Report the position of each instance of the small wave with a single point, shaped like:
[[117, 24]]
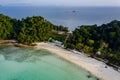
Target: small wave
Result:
[[2, 58]]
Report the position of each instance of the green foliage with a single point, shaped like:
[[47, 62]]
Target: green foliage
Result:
[[79, 46], [93, 38], [71, 46], [90, 42], [59, 37], [29, 29], [6, 27], [34, 29], [89, 38], [61, 28]]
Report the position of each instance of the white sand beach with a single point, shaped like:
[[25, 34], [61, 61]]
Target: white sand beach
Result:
[[92, 65]]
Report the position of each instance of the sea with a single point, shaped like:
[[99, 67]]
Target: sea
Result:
[[71, 17], [18, 63]]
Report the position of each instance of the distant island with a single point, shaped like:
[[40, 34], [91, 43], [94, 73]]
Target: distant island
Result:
[[74, 11], [100, 42]]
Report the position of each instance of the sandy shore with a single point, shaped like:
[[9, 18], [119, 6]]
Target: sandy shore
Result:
[[15, 43], [95, 67]]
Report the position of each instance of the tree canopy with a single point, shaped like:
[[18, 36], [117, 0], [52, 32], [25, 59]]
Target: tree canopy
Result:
[[93, 38], [89, 38], [29, 29]]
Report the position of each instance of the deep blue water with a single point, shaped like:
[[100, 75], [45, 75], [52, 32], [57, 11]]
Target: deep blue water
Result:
[[65, 15]]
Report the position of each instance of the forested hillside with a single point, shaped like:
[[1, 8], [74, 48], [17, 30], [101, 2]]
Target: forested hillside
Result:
[[29, 30], [88, 38], [93, 38], [6, 27]]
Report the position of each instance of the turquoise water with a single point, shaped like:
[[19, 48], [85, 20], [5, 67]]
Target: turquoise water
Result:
[[29, 64]]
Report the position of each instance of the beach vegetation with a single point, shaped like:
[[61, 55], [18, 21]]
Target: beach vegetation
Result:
[[104, 38], [88, 38], [29, 29]]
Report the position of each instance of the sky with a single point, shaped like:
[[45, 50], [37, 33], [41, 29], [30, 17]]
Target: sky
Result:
[[62, 2]]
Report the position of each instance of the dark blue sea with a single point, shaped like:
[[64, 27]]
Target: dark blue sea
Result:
[[71, 17]]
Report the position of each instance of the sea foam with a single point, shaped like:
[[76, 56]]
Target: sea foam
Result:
[[2, 58]]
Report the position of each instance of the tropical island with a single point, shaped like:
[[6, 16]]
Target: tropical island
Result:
[[100, 42]]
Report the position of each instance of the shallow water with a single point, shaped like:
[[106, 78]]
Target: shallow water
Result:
[[29, 64]]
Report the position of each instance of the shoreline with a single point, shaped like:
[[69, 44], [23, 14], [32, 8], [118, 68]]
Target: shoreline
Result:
[[15, 43], [92, 65]]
